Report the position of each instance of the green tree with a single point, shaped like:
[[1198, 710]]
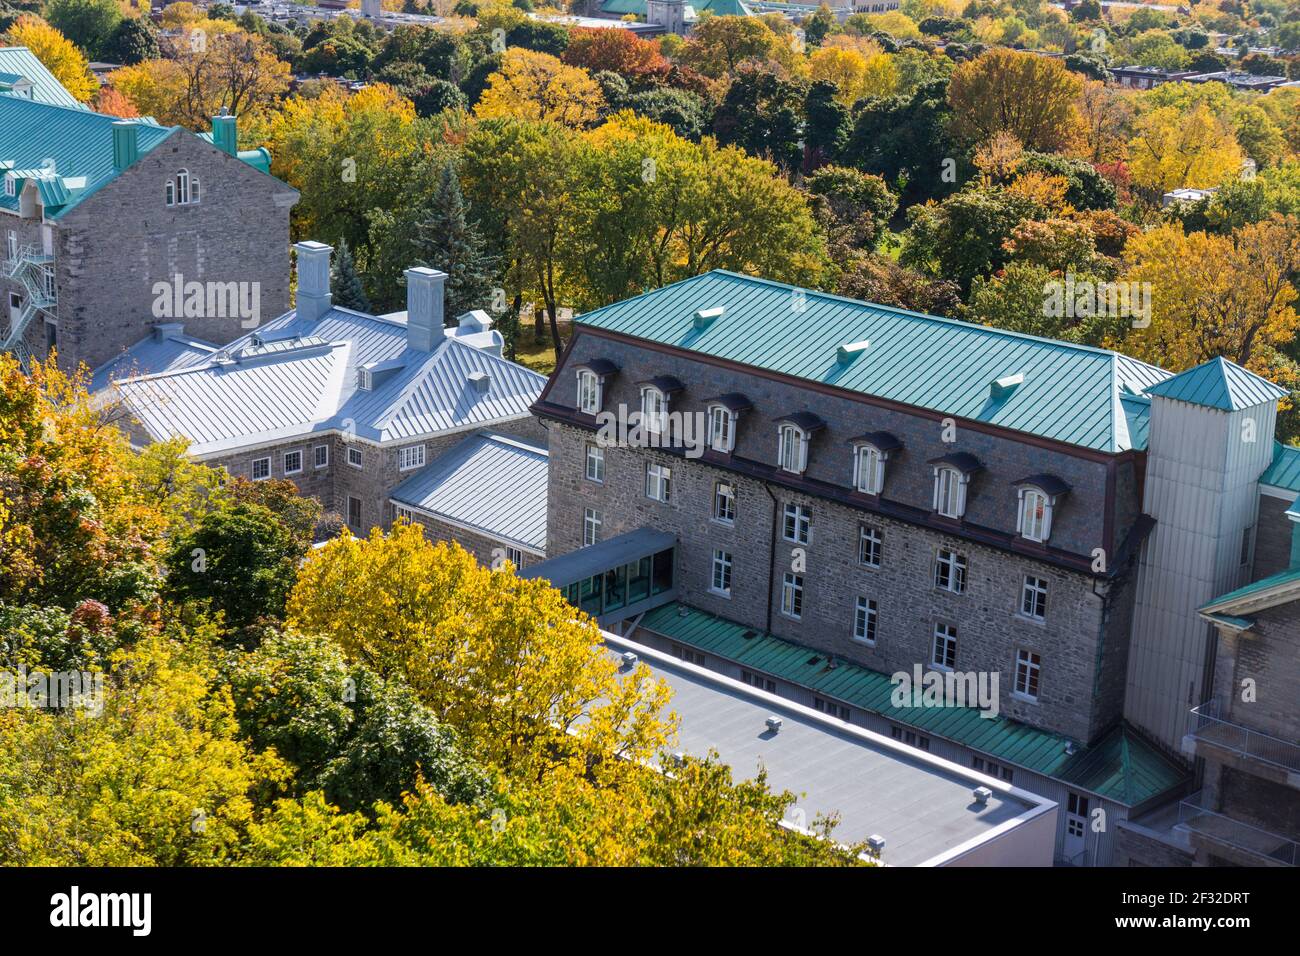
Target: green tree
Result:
[[447, 240], [132, 41], [87, 23], [344, 281]]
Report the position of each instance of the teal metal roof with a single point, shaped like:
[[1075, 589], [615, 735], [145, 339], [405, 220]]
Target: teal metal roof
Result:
[[1284, 472], [1220, 384], [1070, 393], [1255, 587], [18, 62], [720, 8], [1120, 766]]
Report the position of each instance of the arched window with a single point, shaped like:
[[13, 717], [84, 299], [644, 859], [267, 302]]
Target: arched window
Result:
[[182, 187], [654, 409], [792, 453], [722, 428], [868, 469], [1034, 520], [588, 391], [194, 190], [949, 492], [170, 192]]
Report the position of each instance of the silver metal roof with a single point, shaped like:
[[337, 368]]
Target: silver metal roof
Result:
[[295, 377], [491, 483], [166, 351], [600, 557], [921, 804]]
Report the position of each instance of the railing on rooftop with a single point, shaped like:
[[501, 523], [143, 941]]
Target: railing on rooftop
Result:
[[1207, 725], [1224, 829]]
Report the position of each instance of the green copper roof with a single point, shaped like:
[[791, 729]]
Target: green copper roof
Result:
[[18, 62], [1119, 767], [720, 8], [1219, 384], [1255, 587], [1070, 393], [1284, 472]]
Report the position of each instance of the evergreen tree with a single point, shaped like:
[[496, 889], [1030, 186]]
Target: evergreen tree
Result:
[[445, 240], [345, 283]]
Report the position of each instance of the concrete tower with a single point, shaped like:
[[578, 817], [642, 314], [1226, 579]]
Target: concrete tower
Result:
[[1211, 437], [669, 14]]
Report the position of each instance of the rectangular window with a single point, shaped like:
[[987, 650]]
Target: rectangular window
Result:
[[1028, 666], [832, 708], [595, 463], [653, 410], [864, 621], [261, 469], [658, 482], [949, 492], [724, 502], [356, 458], [588, 392], [869, 546], [867, 465], [354, 512], [591, 522], [1033, 599], [412, 456], [515, 557], [945, 646], [759, 681], [405, 514], [721, 429], [798, 524], [720, 582], [321, 455], [292, 462], [1035, 515], [792, 451], [950, 571], [792, 595], [910, 737]]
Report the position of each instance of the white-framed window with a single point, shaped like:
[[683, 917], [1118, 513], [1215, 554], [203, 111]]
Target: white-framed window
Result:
[[354, 512], [864, 621], [720, 578], [1033, 597], [321, 456], [869, 546], [11, 187], [293, 462], [595, 462], [949, 492], [722, 429], [1034, 518], [944, 652], [588, 391], [365, 381], [792, 595], [261, 469], [404, 514], [11, 243], [832, 708], [1028, 668], [356, 457], [724, 502], [194, 190], [792, 448], [515, 556], [658, 482], [410, 456], [868, 469], [950, 571], [797, 525], [591, 522], [654, 410], [182, 189]]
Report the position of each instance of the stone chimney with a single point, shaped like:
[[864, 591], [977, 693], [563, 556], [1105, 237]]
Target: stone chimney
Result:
[[424, 292], [314, 297], [126, 144]]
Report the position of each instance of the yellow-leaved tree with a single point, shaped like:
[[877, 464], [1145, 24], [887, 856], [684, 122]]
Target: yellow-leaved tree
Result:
[[1173, 148], [539, 87], [56, 52]]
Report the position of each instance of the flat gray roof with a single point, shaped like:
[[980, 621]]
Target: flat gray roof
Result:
[[921, 804], [600, 557]]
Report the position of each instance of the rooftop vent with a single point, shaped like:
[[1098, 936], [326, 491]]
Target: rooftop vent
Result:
[[1069, 748], [982, 795], [773, 723], [705, 317], [877, 843], [814, 660], [847, 353], [1003, 387], [749, 635], [481, 381], [629, 659], [679, 757]]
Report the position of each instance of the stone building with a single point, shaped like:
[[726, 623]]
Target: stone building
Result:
[[840, 492], [111, 225], [349, 406]]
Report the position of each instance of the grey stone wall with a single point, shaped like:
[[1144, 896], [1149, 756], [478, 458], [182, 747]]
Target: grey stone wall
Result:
[[112, 248], [1269, 655], [990, 628], [1272, 538]]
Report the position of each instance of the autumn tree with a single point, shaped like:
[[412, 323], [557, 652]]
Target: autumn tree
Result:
[[1172, 148], [1031, 96], [619, 51], [719, 45], [539, 87]]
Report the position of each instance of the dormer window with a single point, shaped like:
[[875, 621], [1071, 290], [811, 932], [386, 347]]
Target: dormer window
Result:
[[11, 188], [654, 409], [588, 391], [722, 429], [182, 189], [949, 492], [792, 453], [868, 469], [364, 380], [1037, 499]]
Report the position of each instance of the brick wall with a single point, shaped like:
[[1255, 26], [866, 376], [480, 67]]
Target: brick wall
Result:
[[1269, 655], [1272, 538]]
